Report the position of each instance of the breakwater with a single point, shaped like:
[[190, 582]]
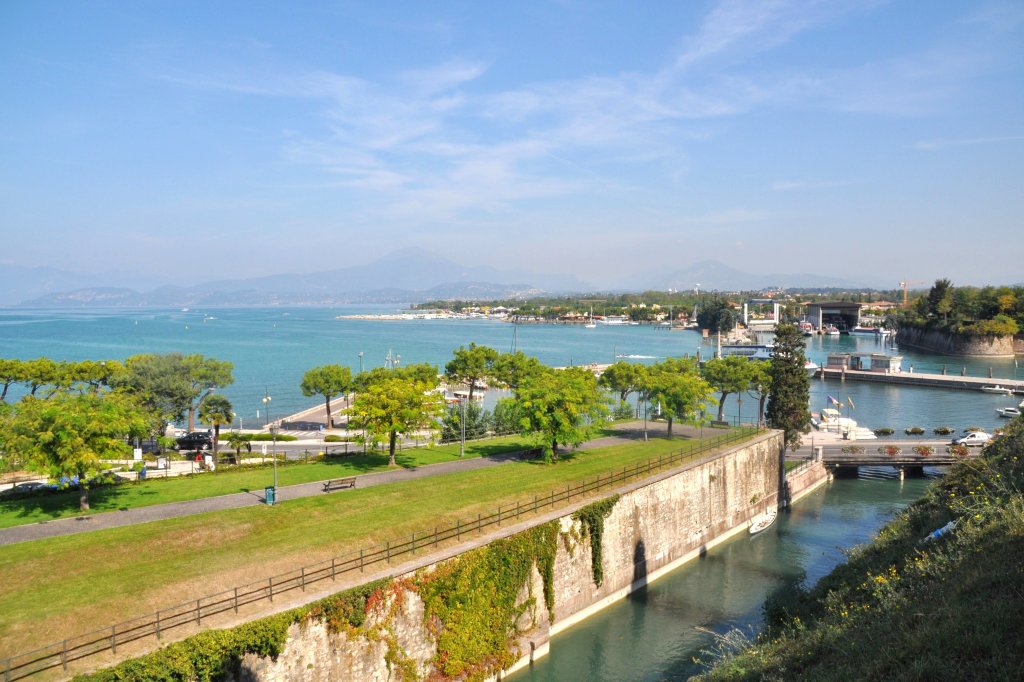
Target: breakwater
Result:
[[945, 343]]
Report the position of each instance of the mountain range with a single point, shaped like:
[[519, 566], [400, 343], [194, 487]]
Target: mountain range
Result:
[[404, 276]]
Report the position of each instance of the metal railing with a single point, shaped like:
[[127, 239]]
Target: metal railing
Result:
[[192, 612]]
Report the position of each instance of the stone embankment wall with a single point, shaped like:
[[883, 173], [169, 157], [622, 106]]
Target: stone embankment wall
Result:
[[654, 526], [952, 344]]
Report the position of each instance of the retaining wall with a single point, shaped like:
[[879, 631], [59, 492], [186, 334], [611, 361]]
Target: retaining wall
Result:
[[655, 526], [954, 344]]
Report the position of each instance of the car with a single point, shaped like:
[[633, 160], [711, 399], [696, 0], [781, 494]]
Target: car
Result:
[[972, 438], [27, 489], [197, 440]]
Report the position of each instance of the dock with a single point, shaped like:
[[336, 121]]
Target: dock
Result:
[[963, 383]]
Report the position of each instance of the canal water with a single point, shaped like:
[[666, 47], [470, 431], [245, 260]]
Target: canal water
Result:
[[656, 633]]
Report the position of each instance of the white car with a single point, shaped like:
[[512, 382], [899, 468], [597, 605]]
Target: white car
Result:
[[973, 438]]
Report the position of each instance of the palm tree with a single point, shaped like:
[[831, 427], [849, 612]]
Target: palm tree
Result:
[[238, 440], [216, 410]]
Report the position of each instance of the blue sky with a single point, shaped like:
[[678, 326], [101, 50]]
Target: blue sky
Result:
[[610, 140]]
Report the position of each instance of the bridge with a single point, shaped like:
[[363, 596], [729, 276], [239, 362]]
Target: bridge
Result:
[[904, 455]]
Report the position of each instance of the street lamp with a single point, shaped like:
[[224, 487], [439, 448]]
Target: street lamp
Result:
[[360, 354], [266, 407], [273, 437], [462, 422]]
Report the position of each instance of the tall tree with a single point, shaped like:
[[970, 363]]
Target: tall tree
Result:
[[677, 386], [623, 378], [11, 372], [173, 385], [760, 386], [790, 391], [512, 369], [204, 376], [728, 375], [560, 407], [328, 381], [423, 373], [471, 365], [716, 315], [216, 410], [70, 435], [395, 407]]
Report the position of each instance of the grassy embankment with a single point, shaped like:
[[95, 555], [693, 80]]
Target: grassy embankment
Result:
[[125, 572], [228, 481], [906, 608]]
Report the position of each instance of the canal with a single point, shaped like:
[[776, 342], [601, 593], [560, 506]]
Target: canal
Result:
[[656, 633]]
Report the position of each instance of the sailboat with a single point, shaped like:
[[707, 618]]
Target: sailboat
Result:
[[590, 321]]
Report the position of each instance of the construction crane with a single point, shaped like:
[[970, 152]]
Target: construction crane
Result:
[[908, 283]]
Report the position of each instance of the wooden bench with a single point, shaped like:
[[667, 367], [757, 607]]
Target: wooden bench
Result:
[[339, 483]]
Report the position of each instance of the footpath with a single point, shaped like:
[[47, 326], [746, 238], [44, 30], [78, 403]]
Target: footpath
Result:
[[161, 512]]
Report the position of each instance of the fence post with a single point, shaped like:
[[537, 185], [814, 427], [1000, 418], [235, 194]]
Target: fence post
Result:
[[479, 524], [517, 509], [270, 587], [414, 544], [302, 578], [64, 655], [360, 560], [236, 600], [113, 639], [198, 613], [7, 671], [458, 529], [333, 570], [387, 549], [535, 503], [435, 537], [158, 625]]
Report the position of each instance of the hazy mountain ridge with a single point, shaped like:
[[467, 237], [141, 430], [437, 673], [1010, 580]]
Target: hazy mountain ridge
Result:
[[407, 276]]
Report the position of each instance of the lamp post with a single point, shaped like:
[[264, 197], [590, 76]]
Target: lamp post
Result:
[[645, 417], [273, 437], [266, 407], [739, 409], [462, 422], [360, 354]]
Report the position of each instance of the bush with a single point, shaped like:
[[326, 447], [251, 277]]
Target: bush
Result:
[[944, 430], [924, 450], [281, 437], [885, 431], [913, 431], [335, 438]]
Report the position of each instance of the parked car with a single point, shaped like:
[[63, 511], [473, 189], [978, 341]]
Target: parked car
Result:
[[973, 438], [197, 440], [28, 489]]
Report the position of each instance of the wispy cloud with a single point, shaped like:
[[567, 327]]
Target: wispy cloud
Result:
[[935, 145]]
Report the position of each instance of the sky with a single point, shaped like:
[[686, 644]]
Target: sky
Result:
[[184, 141]]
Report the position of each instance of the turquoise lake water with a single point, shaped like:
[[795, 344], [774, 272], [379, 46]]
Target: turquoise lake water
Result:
[[271, 348]]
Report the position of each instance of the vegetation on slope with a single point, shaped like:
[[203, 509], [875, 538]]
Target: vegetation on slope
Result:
[[912, 605]]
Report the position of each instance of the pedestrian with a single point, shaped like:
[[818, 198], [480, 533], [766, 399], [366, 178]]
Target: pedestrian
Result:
[[911, 369]]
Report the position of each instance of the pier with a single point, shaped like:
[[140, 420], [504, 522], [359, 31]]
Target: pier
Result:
[[964, 383]]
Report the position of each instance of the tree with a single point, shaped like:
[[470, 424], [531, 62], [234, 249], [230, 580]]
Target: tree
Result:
[[760, 386], [471, 365], [478, 421], [790, 391], [11, 372], [215, 411], [560, 407], [173, 385], [395, 407], [716, 315], [676, 384], [728, 375], [328, 381], [70, 435], [238, 440], [506, 417], [40, 372], [512, 369], [623, 378], [423, 373]]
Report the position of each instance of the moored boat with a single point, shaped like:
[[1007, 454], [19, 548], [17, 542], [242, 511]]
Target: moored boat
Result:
[[869, 331], [1008, 412], [763, 521], [1000, 390]]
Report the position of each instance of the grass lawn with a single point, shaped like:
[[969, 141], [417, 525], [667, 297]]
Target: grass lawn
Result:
[[228, 481], [112, 575]]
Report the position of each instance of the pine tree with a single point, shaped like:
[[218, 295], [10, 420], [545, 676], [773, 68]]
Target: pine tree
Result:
[[790, 391]]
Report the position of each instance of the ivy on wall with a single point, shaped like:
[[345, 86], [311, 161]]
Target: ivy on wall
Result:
[[592, 517]]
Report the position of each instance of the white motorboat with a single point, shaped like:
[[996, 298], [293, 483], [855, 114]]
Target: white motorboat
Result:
[[1008, 412], [997, 389], [762, 521], [751, 351], [830, 330], [869, 331], [810, 367]]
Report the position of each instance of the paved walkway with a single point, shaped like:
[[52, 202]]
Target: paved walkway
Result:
[[160, 512]]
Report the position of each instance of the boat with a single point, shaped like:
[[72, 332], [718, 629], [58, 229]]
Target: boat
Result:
[[751, 351], [811, 367], [590, 320], [869, 331], [806, 328], [997, 389], [762, 521], [830, 330], [1008, 412], [614, 320]]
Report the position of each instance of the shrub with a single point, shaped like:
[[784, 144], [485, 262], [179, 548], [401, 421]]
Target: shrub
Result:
[[943, 430], [958, 450], [853, 450], [913, 431], [924, 450], [281, 437], [891, 450], [885, 431]]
